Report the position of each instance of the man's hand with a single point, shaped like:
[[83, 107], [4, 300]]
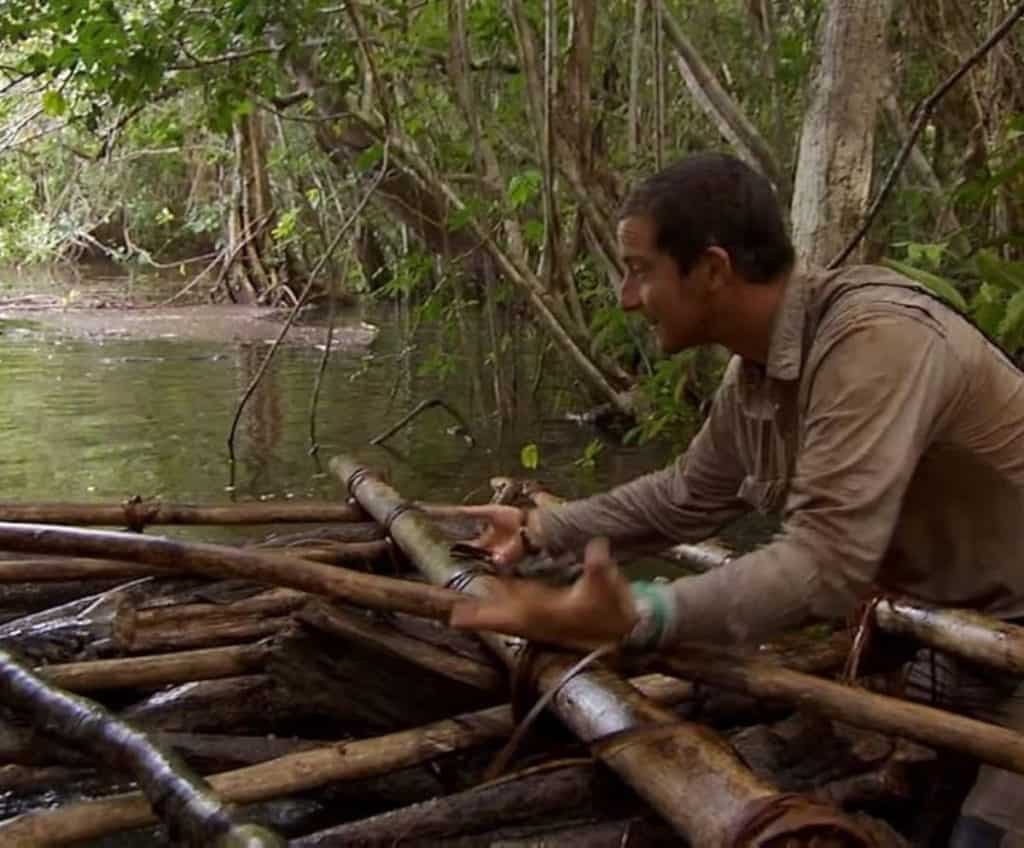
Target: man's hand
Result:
[[597, 609], [501, 536]]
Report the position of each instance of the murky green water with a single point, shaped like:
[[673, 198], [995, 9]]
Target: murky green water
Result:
[[104, 420]]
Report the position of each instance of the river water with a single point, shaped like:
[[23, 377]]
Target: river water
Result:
[[102, 418]]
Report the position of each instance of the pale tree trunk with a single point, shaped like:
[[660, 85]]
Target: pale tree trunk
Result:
[[253, 273], [833, 177]]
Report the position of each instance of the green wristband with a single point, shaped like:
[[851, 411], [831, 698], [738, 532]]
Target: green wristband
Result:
[[654, 615]]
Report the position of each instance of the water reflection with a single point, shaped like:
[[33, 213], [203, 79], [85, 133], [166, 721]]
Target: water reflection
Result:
[[111, 418]]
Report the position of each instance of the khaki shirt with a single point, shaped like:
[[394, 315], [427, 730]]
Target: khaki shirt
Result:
[[887, 430]]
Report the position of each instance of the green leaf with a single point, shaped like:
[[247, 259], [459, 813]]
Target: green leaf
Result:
[[529, 456], [988, 308], [941, 286], [1013, 320], [523, 188], [992, 269], [54, 104]]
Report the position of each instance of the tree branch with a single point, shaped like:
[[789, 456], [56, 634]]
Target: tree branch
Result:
[[923, 110]]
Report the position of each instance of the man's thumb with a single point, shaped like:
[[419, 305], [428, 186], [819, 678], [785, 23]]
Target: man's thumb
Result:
[[597, 559]]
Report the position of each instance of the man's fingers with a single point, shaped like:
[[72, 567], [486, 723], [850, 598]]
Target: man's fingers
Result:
[[481, 615], [597, 559]]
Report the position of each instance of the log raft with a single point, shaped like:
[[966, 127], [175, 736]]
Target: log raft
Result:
[[685, 771], [213, 647]]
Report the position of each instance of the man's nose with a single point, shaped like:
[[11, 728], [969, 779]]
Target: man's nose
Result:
[[629, 294]]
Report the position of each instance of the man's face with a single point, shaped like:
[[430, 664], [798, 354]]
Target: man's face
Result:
[[675, 305]]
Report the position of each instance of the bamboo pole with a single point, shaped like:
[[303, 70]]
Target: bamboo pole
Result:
[[298, 772], [158, 670], [930, 726], [182, 797], [138, 514], [963, 633], [373, 591], [685, 771]]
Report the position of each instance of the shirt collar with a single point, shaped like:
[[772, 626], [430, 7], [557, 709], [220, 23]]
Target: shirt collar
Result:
[[785, 350]]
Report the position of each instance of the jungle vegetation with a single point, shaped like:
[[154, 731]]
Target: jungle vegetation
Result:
[[468, 156]]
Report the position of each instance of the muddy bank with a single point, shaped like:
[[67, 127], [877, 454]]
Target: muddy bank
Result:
[[226, 323]]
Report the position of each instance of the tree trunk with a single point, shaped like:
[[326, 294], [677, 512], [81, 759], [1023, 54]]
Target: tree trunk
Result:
[[253, 273], [837, 143]]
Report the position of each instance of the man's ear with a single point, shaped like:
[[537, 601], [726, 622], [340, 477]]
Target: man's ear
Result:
[[717, 268]]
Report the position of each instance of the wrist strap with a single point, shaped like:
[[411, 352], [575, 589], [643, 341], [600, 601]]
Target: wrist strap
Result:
[[652, 617], [529, 548]]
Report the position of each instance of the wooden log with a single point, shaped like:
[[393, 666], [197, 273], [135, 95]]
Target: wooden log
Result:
[[538, 793], [360, 555], [70, 568], [26, 598], [205, 752], [204, 624], [349, 624], [84, 627], [373, 591], [183, 799], [686, 772], [930, 726], [57, 569], [155, 671], [250, 703], [963, 633], [138, 514], [298, 772]]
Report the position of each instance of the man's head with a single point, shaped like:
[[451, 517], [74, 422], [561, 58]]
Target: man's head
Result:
[[694, 237]]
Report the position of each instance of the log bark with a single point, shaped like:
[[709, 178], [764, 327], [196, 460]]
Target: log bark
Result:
[[989, 743], [837, 142], [371, 591], [183, 799], [686, 772], [155, 671], [962, 633], [201, 625], [250, 703], [297, 772], [77, 569], [139, 514], [529, 797]]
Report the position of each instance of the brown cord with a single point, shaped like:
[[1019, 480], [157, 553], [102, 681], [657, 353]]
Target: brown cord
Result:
[[504, 756], [862, 640]]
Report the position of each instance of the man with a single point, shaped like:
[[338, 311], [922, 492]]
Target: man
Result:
[[886, 428]]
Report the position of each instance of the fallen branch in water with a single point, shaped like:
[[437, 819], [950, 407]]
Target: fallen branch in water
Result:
[[422, 406]]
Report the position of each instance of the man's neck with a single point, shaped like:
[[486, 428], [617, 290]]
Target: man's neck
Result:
[[752, 316]]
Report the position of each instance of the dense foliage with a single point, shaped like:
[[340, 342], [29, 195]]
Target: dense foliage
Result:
[[497, 138]]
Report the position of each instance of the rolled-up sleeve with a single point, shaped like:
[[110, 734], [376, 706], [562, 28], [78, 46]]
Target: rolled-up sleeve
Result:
[[878, 390], [685, 502]]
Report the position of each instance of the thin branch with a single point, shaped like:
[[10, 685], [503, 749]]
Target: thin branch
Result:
[[923, 110], [314, 401], [305, 294], [422, 406]]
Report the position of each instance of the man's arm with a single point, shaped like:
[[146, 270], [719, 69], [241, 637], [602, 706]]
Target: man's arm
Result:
[[878, 392], [685, 502]]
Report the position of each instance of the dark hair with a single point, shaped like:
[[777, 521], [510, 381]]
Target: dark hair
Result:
[[712, 199]]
